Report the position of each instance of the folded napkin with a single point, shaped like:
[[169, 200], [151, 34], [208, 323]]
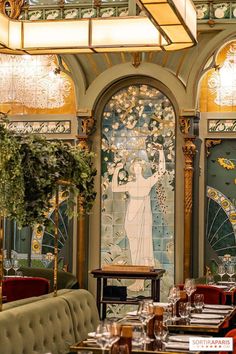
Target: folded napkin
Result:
[[207, 321], [177, 345]]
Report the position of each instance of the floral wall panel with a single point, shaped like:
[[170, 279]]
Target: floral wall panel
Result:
[[221, 203], [138, 171]]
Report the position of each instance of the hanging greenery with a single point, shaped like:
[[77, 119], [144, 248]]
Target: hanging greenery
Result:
[[30, 169]]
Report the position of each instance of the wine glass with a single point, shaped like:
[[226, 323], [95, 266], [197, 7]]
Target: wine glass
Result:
[[7, 265], [15, 265], [230, 271], [190, 288], [103, 336], [160, 331], [174, 296], [145, 313], [221, 271]]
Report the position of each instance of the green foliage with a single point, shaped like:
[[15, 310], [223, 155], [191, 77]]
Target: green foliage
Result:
[[30, 168]]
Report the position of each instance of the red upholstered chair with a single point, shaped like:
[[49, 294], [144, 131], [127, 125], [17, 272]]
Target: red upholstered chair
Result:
[[212, 294], [231, 333], [22, 288]]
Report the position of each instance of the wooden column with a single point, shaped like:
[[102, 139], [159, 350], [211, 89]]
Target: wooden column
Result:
[[85, 128], [189, 150]]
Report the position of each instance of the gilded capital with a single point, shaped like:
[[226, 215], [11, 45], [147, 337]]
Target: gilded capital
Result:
[[14, 5]]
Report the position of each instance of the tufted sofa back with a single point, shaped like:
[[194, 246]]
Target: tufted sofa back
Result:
[[84, 313], [49, 324]]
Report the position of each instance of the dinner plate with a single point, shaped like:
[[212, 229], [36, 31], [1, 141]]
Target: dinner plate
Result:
[[206, 315], [184, 338], [205, 321], [177, 345], [224, 287], [215, 306], [226, 282], [92, 334], [161, 304]]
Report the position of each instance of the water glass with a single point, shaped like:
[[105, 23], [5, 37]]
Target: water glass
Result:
[[199, 302], [137, 335], [15, 265], [173, 297], [160, 331], [184, 310]]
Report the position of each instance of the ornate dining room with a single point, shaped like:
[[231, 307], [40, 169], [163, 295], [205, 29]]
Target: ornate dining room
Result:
[[117, 176]]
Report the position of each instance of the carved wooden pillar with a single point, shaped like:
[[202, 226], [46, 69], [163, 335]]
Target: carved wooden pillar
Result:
[[85, 128], [189, 152], [187, 123]]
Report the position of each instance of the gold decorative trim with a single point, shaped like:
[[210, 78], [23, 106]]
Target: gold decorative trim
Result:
[[184, 125], [15, 6], [209, 143], [137, 59], [189, 151]]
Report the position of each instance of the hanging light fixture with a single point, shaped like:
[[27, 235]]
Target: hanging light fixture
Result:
[[175, 19], [99, 34]]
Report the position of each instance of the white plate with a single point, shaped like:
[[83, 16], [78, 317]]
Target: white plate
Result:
[[184, 338], [92, 334], [215, 306], [217, 311], [161, 304], [226, 282], [132, 313], [206, 315], [205, 321], [175, 345], [221, 286]]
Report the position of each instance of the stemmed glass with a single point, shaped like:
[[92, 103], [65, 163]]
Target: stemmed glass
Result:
[[221, 271], [15, 265], [7, 265], [230, 271], [145, 313], [174, 296], [103, 336], [190, 288]]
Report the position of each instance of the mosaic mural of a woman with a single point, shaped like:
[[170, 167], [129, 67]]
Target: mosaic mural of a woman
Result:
[[138, 174], [138, 219]]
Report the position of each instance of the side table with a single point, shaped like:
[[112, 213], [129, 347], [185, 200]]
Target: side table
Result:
[[103, 275]]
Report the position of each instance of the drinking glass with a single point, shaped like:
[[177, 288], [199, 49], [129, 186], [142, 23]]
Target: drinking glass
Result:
[[7, 265], [190, 288], [145, 313], [221, 271], [137, 335], [103, 336], [199, 302], [184, 310], [174, 296], [15, 265], [230, 271], [160, 331]]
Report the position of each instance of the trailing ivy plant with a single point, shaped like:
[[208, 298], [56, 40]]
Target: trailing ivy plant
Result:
[[30, 170]]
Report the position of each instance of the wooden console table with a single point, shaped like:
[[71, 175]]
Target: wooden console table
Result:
[[103, 275]]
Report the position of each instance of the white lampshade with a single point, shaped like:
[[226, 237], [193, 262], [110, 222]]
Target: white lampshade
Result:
[[117, 34], [176, 19]]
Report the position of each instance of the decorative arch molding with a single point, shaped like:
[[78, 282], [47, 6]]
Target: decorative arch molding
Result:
[[209, 50], [124, 71]]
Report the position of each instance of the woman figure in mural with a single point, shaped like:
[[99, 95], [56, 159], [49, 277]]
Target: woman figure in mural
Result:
[[138, 219]]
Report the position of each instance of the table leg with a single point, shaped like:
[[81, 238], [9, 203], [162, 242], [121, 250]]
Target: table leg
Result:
[[99, 295], [155, 289], [104, 306]]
